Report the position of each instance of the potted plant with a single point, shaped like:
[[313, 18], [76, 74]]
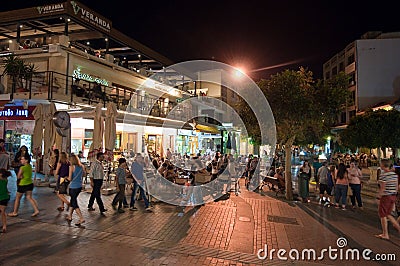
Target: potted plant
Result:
[[19, 71]]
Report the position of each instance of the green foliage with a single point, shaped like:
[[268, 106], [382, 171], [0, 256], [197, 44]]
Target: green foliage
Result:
[[373, 129], [18, 69]]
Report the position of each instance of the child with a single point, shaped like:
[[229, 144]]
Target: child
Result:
[[4, 197]]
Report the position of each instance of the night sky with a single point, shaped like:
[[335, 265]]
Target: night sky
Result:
[[248, 34]]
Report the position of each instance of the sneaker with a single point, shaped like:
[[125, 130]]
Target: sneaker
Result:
[[103, 210], [343, 208], [126, 206], [91, 209], [149, 209], [133, 209], [114, 206], [327, 204], [121, 211]]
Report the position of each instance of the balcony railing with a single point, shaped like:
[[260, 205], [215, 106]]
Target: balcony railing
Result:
[[57, 87]]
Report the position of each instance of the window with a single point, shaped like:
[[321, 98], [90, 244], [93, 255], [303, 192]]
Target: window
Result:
[[327, 75], [352, 114], [353, 96], [352, 79], [343, 118], [334, 71], [341, 66], [350, 59]]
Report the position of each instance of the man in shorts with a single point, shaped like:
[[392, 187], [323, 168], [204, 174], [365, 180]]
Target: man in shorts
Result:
[[388, 187], [322, 176]]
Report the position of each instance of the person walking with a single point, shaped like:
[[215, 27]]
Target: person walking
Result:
[[61, 174], [96, 176], [305, 176], [341, 187], [355, 184], [4, 158], [322, 175], [76, 171], [4, 197], [120, 179], [25, 186], [138, 174], [16, 163], [388, 188]]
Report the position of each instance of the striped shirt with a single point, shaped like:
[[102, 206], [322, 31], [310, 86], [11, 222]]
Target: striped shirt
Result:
[[391, 182], [97, 170]]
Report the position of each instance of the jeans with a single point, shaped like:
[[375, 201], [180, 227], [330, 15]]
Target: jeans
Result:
[[341, 193], [142, 194], [356, 194], [73, 193], [96, 194], [120, 196]]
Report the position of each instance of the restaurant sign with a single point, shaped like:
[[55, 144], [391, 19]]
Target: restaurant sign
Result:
[[91, 17], [77, 74], [47, 9], [16, 113]]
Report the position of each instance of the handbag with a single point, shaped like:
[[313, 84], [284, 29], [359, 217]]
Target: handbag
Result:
[[63, 188]]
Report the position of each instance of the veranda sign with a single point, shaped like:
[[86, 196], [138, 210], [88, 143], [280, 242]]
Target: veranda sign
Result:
[[91, 17]]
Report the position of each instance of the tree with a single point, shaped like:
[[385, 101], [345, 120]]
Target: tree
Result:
[[301, 110], [373, 129]]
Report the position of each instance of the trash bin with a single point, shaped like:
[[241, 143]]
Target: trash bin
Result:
[[303, 186]]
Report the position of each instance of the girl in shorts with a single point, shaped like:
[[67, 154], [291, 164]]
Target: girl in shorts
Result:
[[25, 186], [4, 197]]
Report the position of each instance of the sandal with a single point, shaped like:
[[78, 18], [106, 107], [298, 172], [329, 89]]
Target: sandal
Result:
[[60, 209], [382, 237], [80, 222], [12, 214], [3, 230], [68, 219], [35, 214]]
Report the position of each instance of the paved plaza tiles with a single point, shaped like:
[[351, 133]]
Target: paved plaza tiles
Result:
[[228, 232]]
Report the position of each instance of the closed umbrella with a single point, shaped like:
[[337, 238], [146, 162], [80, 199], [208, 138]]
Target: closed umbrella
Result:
[[50, 134], [98, 130], [110, 130], [37, 139], [50, 131]]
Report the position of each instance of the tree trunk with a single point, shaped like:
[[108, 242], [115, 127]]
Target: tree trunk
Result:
[[288, 168]]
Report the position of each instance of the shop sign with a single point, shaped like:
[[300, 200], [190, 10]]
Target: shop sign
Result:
[[47, 9], [77, 74], [17, 113], [90, 17]]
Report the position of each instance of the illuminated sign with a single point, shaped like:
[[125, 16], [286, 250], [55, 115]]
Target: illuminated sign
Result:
[[50, 8], [90, 17], [84, 76], [17, 113]]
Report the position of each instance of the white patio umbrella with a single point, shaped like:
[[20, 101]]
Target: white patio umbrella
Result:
[[37, 139], [98, 130], [110, 130]]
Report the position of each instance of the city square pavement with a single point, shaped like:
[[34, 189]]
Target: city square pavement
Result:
[[226, 232]]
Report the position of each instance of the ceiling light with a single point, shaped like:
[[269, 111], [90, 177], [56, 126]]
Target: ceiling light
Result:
[[87, 43]]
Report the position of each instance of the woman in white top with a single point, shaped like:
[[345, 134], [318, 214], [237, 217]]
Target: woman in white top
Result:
[[354, 175]]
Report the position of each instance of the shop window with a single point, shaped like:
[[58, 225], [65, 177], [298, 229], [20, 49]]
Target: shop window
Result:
[[88, 133]]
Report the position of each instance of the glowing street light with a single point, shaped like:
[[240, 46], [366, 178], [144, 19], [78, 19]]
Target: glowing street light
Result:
[[239, 72]]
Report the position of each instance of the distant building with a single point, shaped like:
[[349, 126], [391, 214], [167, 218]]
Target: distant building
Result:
[[374, 68]]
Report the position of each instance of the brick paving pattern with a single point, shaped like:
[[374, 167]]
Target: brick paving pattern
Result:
[[228, 232]]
